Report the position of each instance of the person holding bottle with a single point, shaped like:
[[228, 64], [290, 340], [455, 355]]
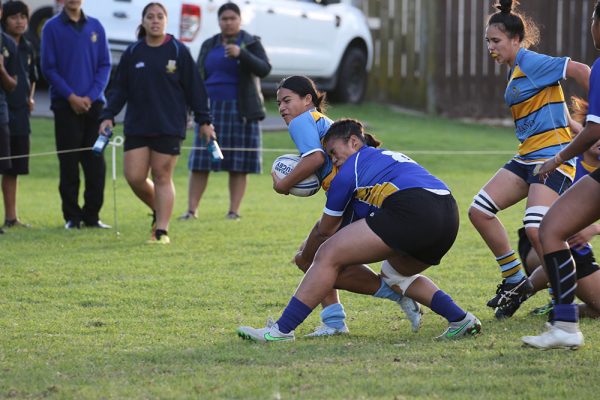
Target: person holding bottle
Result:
[[159, 81], [231, 63]]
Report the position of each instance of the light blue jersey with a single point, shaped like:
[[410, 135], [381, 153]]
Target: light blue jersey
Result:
[[307, 130], [538, 107], [370, 175]]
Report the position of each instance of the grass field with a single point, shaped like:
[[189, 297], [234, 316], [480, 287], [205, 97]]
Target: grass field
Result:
[[87, 314]]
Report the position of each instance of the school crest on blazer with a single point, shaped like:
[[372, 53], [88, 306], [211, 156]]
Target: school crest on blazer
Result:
[[171, 66]]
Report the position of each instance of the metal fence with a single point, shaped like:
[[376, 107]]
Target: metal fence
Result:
[[431, 55]]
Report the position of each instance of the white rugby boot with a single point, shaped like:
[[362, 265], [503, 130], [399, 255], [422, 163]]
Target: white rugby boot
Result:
[[555, 338]]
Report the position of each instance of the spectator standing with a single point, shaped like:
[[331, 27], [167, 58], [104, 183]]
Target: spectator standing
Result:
[[14, 21], [159, 81], [8, 82], [76, 63], [231, 63]]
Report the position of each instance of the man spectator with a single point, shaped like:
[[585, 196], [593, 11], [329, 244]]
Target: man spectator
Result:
[[76, 63]]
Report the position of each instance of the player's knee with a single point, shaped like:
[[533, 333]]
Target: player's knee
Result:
[[394, 279], [482, 207], [301, 262]]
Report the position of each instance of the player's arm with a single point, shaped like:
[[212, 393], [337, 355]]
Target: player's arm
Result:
[[580, 73], [323, 230], [582, 238], [307, 166]]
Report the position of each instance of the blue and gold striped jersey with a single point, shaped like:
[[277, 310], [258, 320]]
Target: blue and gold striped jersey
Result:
[[307, 130], [537, 104], [370, 175]]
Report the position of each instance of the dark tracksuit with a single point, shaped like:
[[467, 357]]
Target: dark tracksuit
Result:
[[8, 49], [76, 60], [160, 85]]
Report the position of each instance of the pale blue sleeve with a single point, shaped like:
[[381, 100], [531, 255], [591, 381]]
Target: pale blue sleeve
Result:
[[304, 133], [544, 70]]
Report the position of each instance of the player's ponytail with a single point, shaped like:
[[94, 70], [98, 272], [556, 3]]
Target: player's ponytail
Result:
[[512, 23], [303, 86], [346, 127]]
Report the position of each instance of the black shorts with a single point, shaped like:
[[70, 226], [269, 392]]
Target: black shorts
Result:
[[19, 146], [5, 162], [596, 175], [556, 181], [418, 223], [161, 144], [584, 264]]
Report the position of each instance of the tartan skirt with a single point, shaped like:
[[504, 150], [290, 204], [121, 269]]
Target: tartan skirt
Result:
[[232, 133]]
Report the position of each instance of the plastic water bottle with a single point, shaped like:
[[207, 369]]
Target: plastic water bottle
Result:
[[215, 150], [102, 141]]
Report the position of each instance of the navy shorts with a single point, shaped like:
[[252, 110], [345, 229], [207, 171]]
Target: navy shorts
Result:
[[556, 181], [585, 264], [161, 144], [596, 175], [418, 223], [5, 163], [19, 146]]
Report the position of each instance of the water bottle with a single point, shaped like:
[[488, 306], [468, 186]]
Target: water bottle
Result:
[[102, 141], [215, 150]]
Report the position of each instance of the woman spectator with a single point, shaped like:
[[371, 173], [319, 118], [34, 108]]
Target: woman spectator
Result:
[[231, 64], [158, 80]]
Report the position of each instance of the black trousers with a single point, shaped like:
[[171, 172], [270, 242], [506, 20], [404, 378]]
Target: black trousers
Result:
[[74, 131]]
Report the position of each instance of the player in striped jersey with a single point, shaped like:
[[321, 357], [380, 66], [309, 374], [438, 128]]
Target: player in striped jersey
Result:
[[406, 217], [536, 100], [302, 108]]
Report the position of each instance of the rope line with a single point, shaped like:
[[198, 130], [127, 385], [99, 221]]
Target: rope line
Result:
[[118, 141]]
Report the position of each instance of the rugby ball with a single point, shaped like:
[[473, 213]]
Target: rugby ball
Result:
[[285, 164]]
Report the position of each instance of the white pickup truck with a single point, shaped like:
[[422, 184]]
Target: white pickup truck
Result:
[[328, 40]]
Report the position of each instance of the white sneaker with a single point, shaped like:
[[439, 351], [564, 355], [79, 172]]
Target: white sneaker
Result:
[[267, 334], [413, 312], [555, 338], [468, 326], [324, 330]]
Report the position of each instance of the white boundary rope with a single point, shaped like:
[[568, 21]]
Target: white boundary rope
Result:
[[277, 150]]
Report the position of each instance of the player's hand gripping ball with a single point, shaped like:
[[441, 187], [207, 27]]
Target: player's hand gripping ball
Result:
[[285, 164]]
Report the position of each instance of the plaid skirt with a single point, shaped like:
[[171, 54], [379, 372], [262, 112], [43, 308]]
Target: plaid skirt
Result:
[[232, 133]]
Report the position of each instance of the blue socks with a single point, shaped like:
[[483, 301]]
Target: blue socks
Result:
[[334, 316], [386, 292], [443, 305], [294, 314]]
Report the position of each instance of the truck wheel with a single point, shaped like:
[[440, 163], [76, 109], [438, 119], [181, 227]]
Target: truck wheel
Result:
[[352, 77], [38, 19]]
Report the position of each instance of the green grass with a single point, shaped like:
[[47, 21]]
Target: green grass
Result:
[[87, 314]]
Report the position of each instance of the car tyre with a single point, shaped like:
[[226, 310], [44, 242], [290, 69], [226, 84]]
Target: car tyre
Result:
[[352, 77]]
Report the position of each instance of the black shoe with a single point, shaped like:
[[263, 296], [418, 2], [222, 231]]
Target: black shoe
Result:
[[509, 309], [98, 224], [72, 224], [507, 291]]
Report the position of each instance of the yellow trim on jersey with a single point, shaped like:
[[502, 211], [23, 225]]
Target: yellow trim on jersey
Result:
[[375, 195], [327, 180], [517, 73], [316, 115], [546, 139], [551, 94], [589, 168], [568, 170]]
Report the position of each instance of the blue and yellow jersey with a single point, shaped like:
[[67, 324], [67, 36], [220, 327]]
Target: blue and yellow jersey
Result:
[[370, 175], [537, 104], [307, 130]]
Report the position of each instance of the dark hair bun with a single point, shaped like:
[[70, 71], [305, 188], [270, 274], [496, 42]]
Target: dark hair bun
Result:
[[505, 6]]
